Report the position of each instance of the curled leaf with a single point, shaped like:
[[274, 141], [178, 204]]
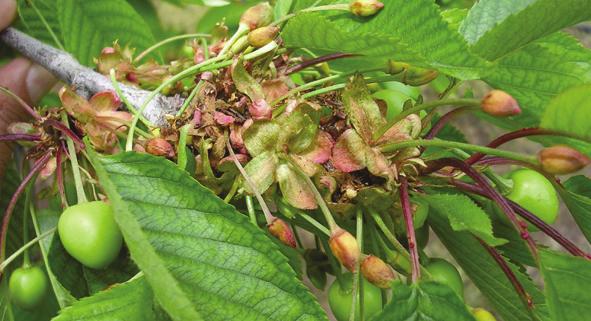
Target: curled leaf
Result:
[[294, 188], [364, 113], [261, 171]]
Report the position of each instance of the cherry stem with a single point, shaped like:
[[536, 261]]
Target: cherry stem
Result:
[[524, 132], [492, 194], [144, 53], [311, 62], [530, 217], [410, 230], [59, 175], [21, 137], [392, 147], [357, 295], [438, 126], [39, 164], [526, 298], [493, 160], [22, 103], [268, 216], [24, 249], [250, 208]]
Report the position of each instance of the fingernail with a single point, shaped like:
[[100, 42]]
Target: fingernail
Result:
[[7, 13], [38, 82]]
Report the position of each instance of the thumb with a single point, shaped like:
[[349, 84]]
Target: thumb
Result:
[[28, 81]]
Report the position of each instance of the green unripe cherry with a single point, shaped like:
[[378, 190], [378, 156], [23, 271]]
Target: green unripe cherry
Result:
[[535, 193], [444, 272], [28, 286], [90, 234], [340, 299]]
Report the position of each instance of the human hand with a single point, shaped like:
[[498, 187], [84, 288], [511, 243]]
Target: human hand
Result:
[[25, 79]]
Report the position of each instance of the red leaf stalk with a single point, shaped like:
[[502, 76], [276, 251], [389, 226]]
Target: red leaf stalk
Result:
[[410, 230]]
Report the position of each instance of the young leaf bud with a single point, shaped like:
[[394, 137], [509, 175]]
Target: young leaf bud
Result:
[[160, 147], [419, 76], [48, 169], [262, 36], [21, 128], [562, 159], [260, 109], [365, 8], [377, 272], [481, 314], [345, 248], [257, 16], [500, 104], [281, 230]]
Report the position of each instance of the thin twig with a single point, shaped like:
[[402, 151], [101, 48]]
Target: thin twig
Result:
[[492, 194], [39, 164], [21, 137], [84, 80], [315, 61], [520, 133], [530, 217]]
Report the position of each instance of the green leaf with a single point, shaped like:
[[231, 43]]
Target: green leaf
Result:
[[577, 197], [521, 25], [454, 17], [464, 215], [68, 272], [409, 31], [567, 281], [131, 301], [486, 14], [426, 301], [537, 73], [122, 270], [89, 26], [282, 8], [33, 23], [486, 274], [569, 112], [196, 251]]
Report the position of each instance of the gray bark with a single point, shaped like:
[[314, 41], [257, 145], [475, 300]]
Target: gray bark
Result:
[[84, 80]]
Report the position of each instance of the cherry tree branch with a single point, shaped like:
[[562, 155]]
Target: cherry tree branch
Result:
[[84, 80]]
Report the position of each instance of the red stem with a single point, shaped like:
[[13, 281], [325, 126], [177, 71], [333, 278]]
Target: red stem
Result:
[[438, 126], [315, 61], [410, 230], [492, 194], [22, 103], [22, 137], [524, 132], [59, 175], [61, 127], [39, 164], [530, 217], [527, 300]]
